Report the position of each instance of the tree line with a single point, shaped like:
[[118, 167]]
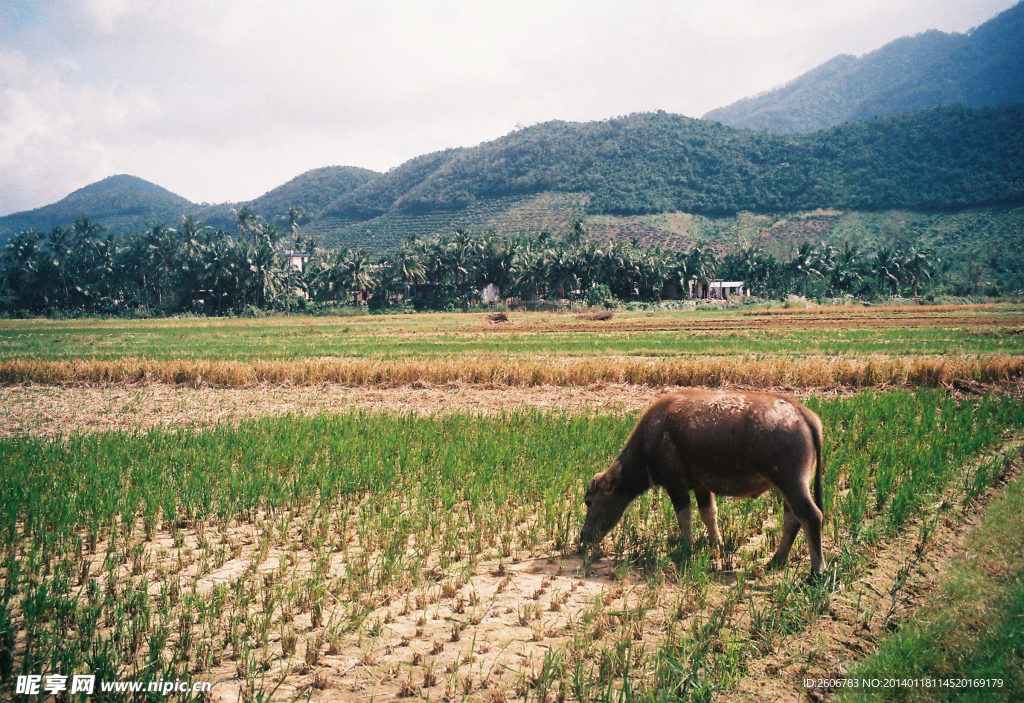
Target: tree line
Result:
[[193, 268]]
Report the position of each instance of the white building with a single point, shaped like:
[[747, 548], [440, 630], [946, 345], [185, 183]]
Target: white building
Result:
[[295, 259], [491, 294], [717, 289]]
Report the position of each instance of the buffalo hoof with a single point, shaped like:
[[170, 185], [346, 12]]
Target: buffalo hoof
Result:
[[822, 576]]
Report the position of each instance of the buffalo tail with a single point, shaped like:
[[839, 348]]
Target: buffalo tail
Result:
[[818, 499]]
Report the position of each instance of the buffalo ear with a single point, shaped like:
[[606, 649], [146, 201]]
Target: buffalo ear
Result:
[[611, 478]]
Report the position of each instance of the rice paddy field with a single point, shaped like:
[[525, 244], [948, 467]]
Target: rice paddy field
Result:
[[389, 507], [935, 330]]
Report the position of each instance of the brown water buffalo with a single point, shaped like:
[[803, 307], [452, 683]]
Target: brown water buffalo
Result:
[[716, 442]]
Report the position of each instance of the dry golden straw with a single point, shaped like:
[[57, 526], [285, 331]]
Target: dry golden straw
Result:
[[803, 372]]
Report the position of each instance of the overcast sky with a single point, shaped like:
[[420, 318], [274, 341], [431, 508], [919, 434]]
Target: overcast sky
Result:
[[224, 99]]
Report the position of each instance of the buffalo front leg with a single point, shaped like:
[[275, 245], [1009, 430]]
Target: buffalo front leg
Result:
[[709, 515], [681, 504]]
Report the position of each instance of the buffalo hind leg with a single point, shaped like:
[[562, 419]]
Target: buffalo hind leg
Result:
[[803, 513], [709, 515], [790, 526]]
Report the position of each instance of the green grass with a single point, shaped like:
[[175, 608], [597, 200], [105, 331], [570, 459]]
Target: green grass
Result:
[[972, 630], [410, 500], [446, 335]]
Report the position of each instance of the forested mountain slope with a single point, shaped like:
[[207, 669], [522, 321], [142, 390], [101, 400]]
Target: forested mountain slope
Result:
[[940, 159], [983, 67]]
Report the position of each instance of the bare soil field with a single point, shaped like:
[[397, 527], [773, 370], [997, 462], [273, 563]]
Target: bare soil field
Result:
[[53, 411]]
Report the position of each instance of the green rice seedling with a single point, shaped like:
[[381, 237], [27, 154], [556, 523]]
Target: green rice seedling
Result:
[[361, 507]]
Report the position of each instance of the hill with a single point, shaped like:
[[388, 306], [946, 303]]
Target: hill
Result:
[[940, 159], [312, 191], [982, 67], [118, 202], [123, 202]]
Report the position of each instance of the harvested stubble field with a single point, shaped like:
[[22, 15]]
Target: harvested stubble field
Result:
[[841, 349], [380, 554], [380, 507], [762, 372]]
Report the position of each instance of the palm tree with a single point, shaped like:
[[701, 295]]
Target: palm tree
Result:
[[247, 221], [189, 234], [701, 260], [527, 273], [162, 258], [844, 272], [405, 267], [886, 269], [21, 266], [88, 263], [357, 275], [802, 266], [220, 272], [266, 265], [295, 213], [918, 267], [59, 242], [577, 232], [462, 254]]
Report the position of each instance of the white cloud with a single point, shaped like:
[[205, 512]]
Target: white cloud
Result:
[[224, 100]]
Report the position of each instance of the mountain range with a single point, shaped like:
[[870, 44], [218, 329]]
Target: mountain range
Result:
[[861, 156], [982, 67]]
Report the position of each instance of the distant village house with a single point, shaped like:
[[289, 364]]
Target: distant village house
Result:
[[491, 294], [716, 289], [296, 259]]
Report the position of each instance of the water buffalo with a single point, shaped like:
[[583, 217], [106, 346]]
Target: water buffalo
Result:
[[715, 442]]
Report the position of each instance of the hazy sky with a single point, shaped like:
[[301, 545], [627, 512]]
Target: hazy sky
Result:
[[224, 99]]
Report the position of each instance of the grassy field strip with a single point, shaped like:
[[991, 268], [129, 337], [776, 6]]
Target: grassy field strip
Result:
[[269, 344], [368, 551], [889, 310], [971, 629], [840, 331], [753, 371], [426, 320]]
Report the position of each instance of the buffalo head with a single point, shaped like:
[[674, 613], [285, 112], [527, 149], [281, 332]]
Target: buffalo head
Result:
[[604, 505]]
